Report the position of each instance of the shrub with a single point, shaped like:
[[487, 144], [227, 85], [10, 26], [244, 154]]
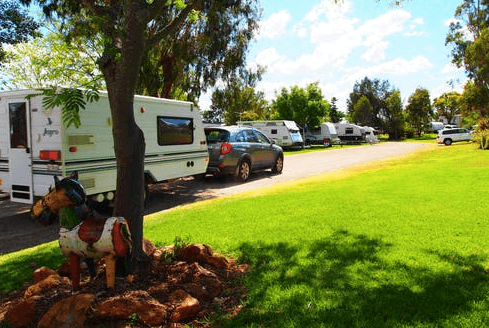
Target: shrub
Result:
[[481, 134]]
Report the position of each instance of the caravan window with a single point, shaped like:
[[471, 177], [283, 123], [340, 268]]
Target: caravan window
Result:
[[274, 131], [175, 131], [349, 131]]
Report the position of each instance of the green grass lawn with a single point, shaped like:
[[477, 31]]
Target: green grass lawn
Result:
[[400, 243]]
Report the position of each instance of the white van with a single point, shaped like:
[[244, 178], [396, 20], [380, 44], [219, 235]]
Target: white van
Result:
[[285, 133], [325, 135], [35, 145]]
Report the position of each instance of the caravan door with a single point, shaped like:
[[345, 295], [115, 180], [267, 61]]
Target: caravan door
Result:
[[20, 167]]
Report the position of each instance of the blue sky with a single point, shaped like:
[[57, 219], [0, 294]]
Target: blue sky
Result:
[[339, 44]]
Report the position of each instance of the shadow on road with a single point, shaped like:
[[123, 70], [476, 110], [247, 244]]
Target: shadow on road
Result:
[[18, 231]]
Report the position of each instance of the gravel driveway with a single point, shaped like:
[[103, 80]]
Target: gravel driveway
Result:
[[18, 231]]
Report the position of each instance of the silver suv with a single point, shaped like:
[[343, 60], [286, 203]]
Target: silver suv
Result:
[[448, 136], [239, 150]]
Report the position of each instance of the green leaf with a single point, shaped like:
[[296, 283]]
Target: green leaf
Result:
[[70, 100]]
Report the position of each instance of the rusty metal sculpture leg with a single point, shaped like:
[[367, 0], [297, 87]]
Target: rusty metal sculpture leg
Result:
[[110, 270], [75, 271]]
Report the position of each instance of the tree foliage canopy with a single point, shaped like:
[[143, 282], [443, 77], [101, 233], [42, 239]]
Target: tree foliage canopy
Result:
[[239, 101], [419, 110], [211, 45], [363, 111], [448, 105], [376, 92], [469, 37], [50, 61], [302, 105], [335, 115], [15, 25], [394, 116]]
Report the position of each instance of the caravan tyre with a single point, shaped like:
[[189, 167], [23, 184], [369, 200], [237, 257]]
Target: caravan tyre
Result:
[[243, 171], [279, 164]]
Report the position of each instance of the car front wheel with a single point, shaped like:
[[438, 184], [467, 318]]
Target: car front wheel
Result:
[[447, 142], [279, 165], [243, 171]]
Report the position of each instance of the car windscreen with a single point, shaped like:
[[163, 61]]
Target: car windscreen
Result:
[[216, 135]]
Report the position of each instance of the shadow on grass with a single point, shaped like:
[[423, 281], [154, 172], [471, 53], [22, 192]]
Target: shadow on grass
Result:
[[343, 282], [16, 269]]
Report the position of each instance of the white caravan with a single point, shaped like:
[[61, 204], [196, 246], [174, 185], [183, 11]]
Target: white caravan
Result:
[[35, 145], [325, 135], [285, 133], [436, 126], [350, 133], [371, 134]]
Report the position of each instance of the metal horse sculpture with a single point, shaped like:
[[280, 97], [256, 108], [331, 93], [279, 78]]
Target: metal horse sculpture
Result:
[[83, 232]]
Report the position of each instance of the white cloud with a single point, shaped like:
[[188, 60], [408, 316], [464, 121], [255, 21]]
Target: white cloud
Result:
[[376, 30], [270, 58], [334, 37], [416, 22], [275, 26], [397, 66], [376, 51], [328, 8], [451, 68]]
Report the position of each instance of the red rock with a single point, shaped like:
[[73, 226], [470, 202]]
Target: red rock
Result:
[[47, 284], [186, 308], [203, 253], [22, 313], [149, 310], [42, 273], [69, 312], [207, 279], [197, 290]]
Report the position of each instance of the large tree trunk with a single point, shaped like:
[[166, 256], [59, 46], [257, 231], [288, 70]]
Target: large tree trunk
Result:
[[129, 145]]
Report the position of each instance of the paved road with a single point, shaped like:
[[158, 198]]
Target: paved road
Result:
[[18, 231]]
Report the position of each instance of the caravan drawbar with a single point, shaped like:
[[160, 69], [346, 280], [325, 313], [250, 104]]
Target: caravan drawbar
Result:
[[35, 145]]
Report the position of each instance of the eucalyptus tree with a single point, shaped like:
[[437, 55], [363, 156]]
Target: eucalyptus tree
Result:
[[468, 38], [376, 92], [123, 27], [239, 100], [208, 47]]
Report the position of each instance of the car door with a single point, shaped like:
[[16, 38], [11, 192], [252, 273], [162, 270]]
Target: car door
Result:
[[252, 148], [267, 155], [465, 135], [458, 135]]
